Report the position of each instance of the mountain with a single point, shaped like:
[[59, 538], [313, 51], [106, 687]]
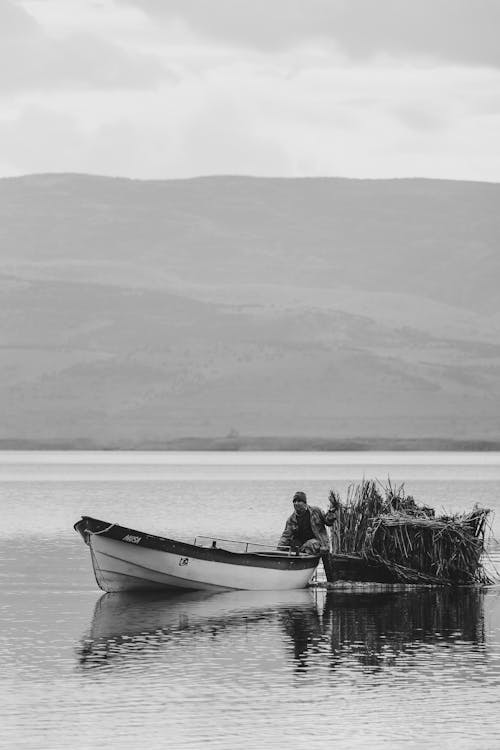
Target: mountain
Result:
[[145, 312]]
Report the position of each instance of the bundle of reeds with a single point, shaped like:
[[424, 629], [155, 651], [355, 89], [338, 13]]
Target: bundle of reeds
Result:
[[363, 503], [408, 539]]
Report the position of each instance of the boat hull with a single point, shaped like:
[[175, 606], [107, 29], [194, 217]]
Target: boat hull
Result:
[[356, 569], [127, 560]]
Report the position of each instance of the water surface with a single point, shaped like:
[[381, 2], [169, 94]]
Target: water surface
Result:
[[369, 667]]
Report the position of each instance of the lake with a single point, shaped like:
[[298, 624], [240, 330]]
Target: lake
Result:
[[351, 668]]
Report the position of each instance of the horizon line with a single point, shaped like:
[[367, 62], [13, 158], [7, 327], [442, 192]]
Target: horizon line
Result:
[[243, 176]]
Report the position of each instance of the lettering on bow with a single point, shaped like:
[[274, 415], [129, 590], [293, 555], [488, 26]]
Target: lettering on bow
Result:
[[132, 539]]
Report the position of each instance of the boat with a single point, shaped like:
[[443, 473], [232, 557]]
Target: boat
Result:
[[125, 559]]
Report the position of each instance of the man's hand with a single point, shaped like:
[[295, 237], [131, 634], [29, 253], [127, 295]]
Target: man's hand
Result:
[[334, 502]]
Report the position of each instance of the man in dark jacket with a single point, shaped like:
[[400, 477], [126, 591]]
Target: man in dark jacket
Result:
[[305, 529]]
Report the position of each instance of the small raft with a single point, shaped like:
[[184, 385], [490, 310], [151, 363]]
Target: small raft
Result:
[[382, 535]]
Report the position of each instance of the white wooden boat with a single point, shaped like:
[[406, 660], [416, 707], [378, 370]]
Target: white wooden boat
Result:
[[126, 560]]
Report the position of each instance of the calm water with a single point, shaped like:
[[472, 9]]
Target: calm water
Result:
[[351, 669]]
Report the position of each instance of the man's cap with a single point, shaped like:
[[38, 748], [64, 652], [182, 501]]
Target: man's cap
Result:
[[300, 497]]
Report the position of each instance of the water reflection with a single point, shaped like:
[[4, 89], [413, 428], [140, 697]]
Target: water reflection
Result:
[[126, 624], [376, 628], [338, 628]]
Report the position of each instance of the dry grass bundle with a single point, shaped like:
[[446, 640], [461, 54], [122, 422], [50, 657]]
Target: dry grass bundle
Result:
[[363, 503], [408, 539]]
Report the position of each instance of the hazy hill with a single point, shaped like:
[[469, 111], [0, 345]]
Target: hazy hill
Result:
[[141, 312]]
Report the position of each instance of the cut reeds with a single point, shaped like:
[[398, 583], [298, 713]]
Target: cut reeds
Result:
[[383, 525]]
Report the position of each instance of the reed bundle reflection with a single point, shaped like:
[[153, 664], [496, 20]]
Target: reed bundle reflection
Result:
[[387, 625]]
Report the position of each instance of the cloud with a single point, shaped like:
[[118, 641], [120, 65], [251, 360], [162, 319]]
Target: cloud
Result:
[[182, 135], [225, 137], [232, 87], [245, 120], [15, 22], [33, 59], [453, 30], [77, 61]]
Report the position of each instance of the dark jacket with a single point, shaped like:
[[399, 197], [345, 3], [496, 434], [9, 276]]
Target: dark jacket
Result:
[[319, 521]]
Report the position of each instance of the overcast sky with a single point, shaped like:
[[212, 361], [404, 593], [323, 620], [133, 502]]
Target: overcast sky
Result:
[[177, 88]]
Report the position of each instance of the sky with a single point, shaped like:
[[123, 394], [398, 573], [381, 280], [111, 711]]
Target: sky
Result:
[[293, 88]]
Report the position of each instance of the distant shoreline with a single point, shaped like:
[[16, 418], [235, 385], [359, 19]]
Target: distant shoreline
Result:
[[263, 444]]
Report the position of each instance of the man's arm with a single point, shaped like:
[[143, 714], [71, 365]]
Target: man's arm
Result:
[[288, 534]]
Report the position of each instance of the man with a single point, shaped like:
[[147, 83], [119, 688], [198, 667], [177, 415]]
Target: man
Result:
[[306, 528]]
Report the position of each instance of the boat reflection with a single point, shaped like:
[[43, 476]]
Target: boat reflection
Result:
[[314, 627], [127, 623]]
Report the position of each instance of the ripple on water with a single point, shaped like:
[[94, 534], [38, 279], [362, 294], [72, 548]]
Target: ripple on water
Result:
[[351, 669]]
